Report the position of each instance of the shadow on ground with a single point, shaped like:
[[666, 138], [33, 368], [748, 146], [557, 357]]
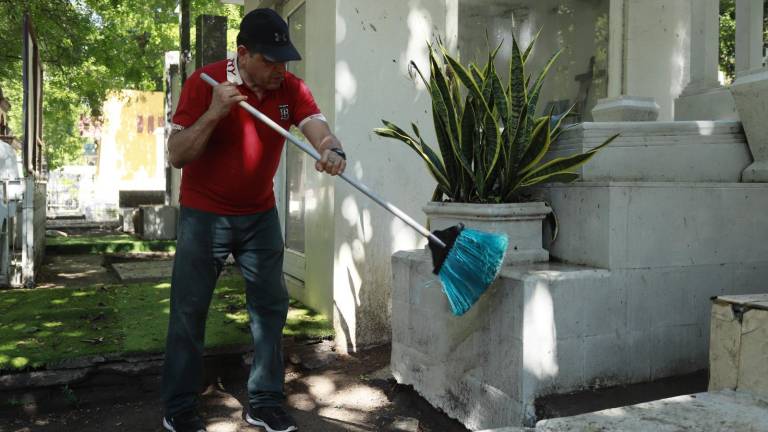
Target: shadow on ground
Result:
[[344, 395]]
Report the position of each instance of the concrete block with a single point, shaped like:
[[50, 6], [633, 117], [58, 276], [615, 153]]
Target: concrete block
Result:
[[462, 397], [672, 351], [748, 278], [725, 336], [144, 270], [571, 365], [605, 360], [656, 225], [701, 151], [129, 217], [753, 358], [157, 222], [474, 366], [739, 347], [671, 296], [639, 344], [548, 329], [606, 311]]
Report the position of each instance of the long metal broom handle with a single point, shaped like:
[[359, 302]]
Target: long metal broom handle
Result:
[[308, 149]]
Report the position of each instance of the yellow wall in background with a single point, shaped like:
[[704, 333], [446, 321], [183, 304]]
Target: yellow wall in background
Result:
[[131, 153]]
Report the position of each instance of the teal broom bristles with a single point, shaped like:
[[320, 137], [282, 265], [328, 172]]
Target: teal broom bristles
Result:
[[471, 265]]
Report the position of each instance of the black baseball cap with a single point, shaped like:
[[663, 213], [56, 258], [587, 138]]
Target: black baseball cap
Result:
[[264, 31]]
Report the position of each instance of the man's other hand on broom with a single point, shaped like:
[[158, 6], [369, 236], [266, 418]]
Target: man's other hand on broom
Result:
[[333, 160]]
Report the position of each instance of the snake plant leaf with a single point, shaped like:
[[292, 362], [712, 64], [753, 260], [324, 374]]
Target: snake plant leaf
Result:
[[487, 89], [433, 157], [539, 145], [499, 97], [559, 125], [533, 100], [439, 78], [567, 163], [517, 102], [437, 195], [468, 129], [558, 177], [415, 67], [462, 74], [528, 50], [476, 73], [444, 134], [434, 164], [442, 102], [509, 177]]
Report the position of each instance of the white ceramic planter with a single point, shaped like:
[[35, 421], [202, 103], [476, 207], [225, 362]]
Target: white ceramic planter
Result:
[[522, 222]]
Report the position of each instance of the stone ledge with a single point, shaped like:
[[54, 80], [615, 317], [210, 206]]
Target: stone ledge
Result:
[[684, 151], [640, 225]]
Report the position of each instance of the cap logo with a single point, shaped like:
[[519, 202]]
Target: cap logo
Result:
[[281, 37]]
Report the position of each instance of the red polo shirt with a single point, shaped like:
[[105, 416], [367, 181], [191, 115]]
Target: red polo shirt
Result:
[[234, 175]]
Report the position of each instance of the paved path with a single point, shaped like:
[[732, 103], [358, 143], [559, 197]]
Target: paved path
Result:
[[701, 412]]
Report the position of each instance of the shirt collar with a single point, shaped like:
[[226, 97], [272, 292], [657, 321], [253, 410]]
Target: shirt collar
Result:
[[233, 69]]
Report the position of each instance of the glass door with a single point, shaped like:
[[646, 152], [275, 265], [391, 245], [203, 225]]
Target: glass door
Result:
[[295, 163]]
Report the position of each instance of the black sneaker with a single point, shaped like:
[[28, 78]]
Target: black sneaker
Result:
[[273, 419], [187, 421]]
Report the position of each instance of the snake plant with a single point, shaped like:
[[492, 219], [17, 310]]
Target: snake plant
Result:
[[491, 146]]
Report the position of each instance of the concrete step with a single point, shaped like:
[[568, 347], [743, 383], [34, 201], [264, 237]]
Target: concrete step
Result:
[[693, 151], [702, 412], [144, 271]]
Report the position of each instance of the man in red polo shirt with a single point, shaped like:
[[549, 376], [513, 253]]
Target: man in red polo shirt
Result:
[[228, 206]]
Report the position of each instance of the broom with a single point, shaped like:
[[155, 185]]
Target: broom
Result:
[[466, 260]]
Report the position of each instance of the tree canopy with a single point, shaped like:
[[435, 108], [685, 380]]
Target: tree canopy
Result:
[[90, 48]]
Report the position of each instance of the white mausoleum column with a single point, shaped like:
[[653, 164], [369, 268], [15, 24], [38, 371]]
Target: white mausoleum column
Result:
[[704, 98], [750, 90], [705, 45], [618, 106], [616, 48], [749, 35]]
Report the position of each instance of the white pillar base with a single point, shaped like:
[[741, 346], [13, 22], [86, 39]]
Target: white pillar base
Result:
[[708, 104], [626, 108], [757, 172]]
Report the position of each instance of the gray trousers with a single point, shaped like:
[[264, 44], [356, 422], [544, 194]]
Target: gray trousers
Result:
[[204, 241]]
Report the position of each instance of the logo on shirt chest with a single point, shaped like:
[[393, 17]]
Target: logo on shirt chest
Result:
[[284, 113]]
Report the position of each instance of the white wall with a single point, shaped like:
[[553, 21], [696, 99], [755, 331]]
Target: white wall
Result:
[[374, 43], [657, 51], [578, 27]]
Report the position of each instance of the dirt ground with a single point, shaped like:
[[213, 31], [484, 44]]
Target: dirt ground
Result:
[[346, 393]]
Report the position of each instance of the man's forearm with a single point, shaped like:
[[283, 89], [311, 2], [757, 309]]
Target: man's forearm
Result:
[[188, 144], [320, 136]]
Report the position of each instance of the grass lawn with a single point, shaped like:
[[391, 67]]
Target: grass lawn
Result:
[[40, 327], [84, 244]]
